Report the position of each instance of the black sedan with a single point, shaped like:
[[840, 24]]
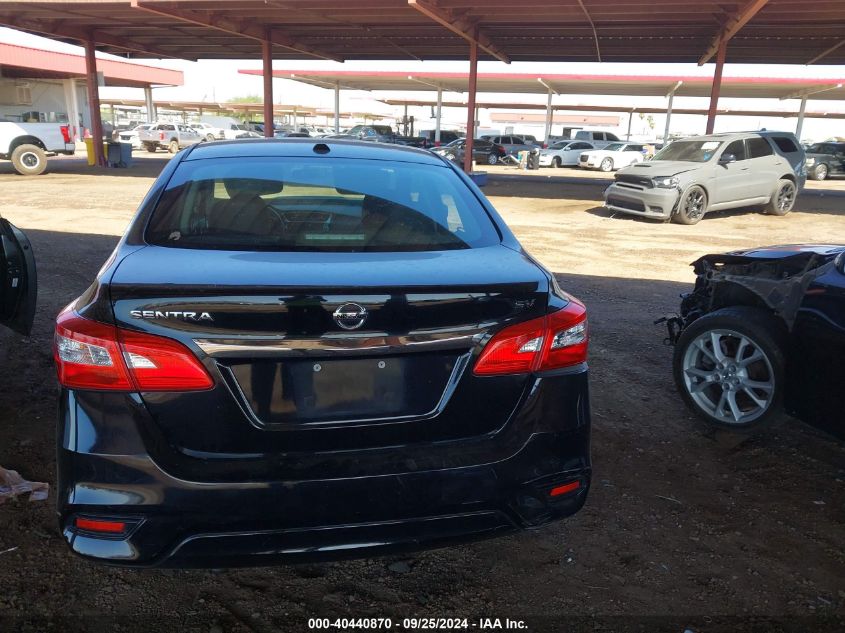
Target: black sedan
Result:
[[825, 159], [315, 349], [483, 151], [764, 331]]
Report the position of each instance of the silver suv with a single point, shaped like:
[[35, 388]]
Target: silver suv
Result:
[[692, 176]]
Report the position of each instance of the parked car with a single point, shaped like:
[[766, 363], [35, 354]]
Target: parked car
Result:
[[169, 136], [208, 131], [265, 372], [764, 331], [613, 156], [291, 134], [133, 135], [28, 145], [598, 139], [18, 276], [512, 144], [563, 154], [446, 137], [690, 177], [483, 151], [825, 159], [381, 134]]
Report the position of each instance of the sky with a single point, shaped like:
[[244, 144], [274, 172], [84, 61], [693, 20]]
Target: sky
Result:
[[220, 81]]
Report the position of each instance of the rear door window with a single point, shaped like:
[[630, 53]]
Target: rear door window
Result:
[[311, 204], [758, 147]]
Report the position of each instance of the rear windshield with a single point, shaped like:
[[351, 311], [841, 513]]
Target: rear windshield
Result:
[[692, 151], [314, 204]]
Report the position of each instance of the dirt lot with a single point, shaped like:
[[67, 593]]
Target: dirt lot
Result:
[[682, 529]]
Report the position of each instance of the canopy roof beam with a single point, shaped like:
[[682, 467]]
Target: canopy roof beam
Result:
[[460, 25], [733, 25], [234, 26]]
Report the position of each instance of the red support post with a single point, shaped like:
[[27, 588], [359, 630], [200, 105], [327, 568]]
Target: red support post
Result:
[[716, 87], [94, 102], [267, 59], [473, 81]]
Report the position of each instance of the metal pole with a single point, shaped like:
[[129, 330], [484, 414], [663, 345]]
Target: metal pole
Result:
[[548, 118], [437, 117], [800, 125], [337, 108], [148, 100], [717, 86], [473, 82], [404, 121], [630, 118], [668, 117], [94, 102], [267, 62]]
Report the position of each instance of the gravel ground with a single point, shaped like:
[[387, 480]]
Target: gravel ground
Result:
[[683, 529]]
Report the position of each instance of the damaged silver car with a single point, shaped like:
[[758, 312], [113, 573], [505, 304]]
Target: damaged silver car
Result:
[[762, 332]]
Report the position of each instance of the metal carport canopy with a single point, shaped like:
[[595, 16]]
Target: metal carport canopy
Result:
[[588, 84], [760, 31]]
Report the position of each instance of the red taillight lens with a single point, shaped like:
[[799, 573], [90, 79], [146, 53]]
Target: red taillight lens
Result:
[[99, 525], [92, 355], [501, 150], [65, 133], [559, 339], [161, 136]]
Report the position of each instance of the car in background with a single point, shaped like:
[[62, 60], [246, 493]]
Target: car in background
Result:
[[597, 138], [563, 153], [18, 276], [381, 134], [512, 144], [133, 136], [208, 131], [690, 177], [613, 156], [762, 332], [339, 321], [168, 136], [291, 134], [483, 151], [27, 145], [446, 137], [825, 159]]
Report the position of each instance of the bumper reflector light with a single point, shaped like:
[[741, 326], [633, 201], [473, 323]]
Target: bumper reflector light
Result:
[[565, 489], [99, 525]]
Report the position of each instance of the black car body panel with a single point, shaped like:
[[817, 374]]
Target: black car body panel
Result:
[[18, 278], [804, 286], [313, 440], [831, 154]]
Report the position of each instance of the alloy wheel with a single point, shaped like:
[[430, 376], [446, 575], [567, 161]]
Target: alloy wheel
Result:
[[694, 204], [728, 376], [786, 196]]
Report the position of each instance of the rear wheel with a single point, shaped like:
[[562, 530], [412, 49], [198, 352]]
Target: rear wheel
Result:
[[783, 199], [729, 367], [173, 147], [556, 162], [692, 207], [492, 159], [209, 137], [150, 147], [606, 164], [29, 160], [819, 172]]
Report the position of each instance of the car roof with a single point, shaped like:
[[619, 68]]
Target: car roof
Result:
[[733, 136], [302, 147]]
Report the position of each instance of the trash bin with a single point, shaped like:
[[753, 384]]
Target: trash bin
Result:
[[522, 156], [113, 154], [89, 151], [534, 159]]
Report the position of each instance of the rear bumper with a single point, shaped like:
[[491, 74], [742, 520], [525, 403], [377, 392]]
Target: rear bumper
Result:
[[655, 203], [180, 523]]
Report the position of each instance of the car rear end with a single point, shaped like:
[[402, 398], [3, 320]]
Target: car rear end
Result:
[[364, 362]]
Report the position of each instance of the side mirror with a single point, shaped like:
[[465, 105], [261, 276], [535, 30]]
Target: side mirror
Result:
[[724, 159]]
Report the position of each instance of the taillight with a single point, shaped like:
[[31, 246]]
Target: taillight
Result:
[[161, 136], [65, 129], [501, 150], [559, 339], [97, 356]]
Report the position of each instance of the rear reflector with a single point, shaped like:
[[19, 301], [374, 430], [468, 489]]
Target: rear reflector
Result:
[[101, 526], [564, 489], [102, 357], [556, 340]]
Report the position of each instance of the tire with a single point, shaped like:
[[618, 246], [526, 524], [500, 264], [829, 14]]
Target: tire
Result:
[[150, 147], [783, 198], [691, 207], [556, 162], [744, 388], [173, 146], [29, 160], [606, 164], [209, 137], [492, 159], [820, 172]]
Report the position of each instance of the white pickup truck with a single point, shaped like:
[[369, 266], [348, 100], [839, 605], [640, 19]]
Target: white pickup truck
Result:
[[28, 145]]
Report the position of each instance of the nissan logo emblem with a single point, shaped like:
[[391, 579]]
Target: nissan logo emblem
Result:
[[350, 316]]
